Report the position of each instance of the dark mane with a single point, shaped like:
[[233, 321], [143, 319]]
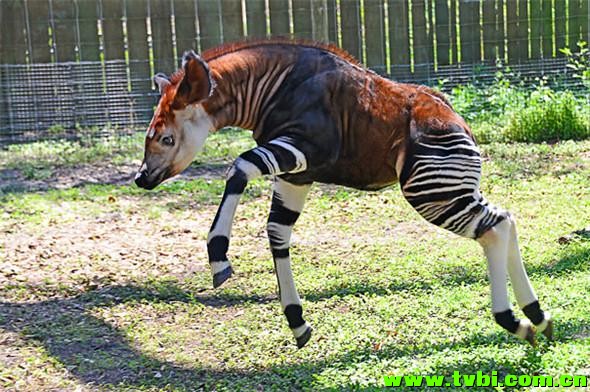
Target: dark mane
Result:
[[230, 47]]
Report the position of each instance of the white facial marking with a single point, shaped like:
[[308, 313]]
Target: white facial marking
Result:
[[197, 124]]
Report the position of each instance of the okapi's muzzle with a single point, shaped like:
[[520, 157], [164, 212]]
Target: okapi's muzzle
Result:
[[147, 179]]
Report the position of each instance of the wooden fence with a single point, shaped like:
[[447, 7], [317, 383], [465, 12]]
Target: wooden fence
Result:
[[127, 41]]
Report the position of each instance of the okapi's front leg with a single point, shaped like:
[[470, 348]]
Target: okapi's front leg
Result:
[[287, 203], [279, 156]]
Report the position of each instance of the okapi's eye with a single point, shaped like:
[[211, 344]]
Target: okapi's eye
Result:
[[168, 141]]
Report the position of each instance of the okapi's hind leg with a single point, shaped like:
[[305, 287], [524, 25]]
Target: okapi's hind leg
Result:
[[523, 291], [287, 203], [440, 179], [495, 244]]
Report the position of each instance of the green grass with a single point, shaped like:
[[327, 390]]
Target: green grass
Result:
[[39, 160], [107, 287]]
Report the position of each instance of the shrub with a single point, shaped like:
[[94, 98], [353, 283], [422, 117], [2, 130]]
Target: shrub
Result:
[[548, 116]]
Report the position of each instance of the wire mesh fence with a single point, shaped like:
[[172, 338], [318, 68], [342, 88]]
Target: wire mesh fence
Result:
[[56, 100]]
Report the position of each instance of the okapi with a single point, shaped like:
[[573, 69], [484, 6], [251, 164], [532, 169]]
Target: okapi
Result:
[[318, 115]]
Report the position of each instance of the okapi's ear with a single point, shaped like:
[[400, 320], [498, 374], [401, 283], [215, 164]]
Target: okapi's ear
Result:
[[196, 85], [161, 81]]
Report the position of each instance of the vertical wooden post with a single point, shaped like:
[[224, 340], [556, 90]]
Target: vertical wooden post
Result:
[[12, 51], [232, 22], [39, 31], [112, 24], [319, 20], [13, 45], [162, 35], [443, 33], [332, 21], [585, 20], [548, 36], [399, 39], [139, 61], [89, 43], [577, 10], [209, 23], [302, 27], [279, 17], [512, 29], [455, 54], [64, 22], [185, 26], [256, 18], [523, 28], [375, 35], [114, 49], [470, 31], [560, 23], [351, 27], [423, 47], [489, 30], [89, 78], [536, 30]]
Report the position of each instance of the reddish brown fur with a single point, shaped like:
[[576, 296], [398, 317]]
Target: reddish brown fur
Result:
[[213, 53], [373, 114], [164, 112]]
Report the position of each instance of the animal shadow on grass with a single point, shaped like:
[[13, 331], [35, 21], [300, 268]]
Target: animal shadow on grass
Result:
[[98, 354]]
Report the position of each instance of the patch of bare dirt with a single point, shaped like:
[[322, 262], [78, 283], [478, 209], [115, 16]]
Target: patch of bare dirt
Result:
[[89, 252]]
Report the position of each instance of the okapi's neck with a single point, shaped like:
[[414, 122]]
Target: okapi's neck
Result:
[[246, 82]]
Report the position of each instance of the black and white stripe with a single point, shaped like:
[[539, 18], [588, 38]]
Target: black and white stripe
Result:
[[287, 203], [277, 157], [441, 181]]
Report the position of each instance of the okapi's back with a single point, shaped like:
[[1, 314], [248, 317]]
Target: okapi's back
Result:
[[352, 125], [359, 120]]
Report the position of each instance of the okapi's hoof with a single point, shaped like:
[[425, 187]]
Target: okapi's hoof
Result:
[[222, 276], [303, 339], [548, 331], [530, 336]]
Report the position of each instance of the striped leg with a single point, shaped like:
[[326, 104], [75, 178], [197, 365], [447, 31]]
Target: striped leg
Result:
[[441, 181], [276, 157], [523, 291], [287, 203]]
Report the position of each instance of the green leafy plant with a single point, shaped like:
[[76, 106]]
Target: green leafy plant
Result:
[[547, 116], [579, 61]]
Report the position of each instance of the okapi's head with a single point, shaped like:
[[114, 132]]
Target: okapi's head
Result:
[[180, 124]]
